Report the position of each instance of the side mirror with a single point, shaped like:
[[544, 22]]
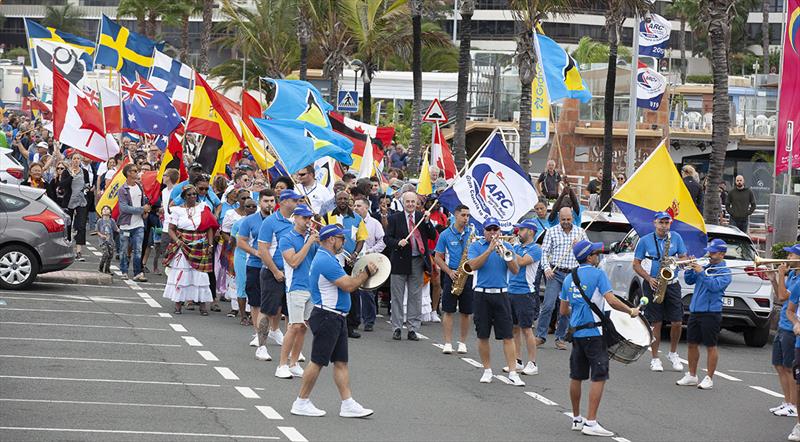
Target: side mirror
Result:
[[613, 247]]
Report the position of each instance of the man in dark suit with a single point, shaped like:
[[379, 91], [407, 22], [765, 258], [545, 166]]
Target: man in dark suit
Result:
[[410, 260]]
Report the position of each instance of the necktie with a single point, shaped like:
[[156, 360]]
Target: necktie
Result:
[[416, 237]]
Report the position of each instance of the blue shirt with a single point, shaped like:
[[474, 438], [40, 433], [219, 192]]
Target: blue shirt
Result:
[[297, 278], [325, 269], [210, 197], [576, 219], [249, 230], [493, 274], [238, 253], [792, 277], [521, 283], [451, 244], [708, 290], [595, 284], [275, 226], [651, 247], [225, 208]]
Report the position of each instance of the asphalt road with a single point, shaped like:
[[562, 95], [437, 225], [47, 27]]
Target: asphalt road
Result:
[[84, 362]]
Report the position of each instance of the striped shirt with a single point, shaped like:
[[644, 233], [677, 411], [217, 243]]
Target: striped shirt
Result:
[[557, 247]]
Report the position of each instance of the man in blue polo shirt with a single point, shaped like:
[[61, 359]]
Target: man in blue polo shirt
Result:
[[330, 294], [589, 351], [783, 344], [297, 247], [792, 314], [449, 250], [247, 240], [651, 246], [492, 307], [705, 311], [524, 305], [271, 277]]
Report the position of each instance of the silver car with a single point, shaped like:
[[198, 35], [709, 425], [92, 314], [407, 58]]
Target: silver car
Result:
[[33, 237]]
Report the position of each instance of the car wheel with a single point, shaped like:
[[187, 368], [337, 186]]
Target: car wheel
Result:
[[18, 268], [756, 336]]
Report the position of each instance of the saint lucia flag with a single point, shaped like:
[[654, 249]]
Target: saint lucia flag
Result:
[[639, 200], [561, 72], [300, 143], [298, 100]]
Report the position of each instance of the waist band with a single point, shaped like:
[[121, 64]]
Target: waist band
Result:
[[332, 310], [489, 291]]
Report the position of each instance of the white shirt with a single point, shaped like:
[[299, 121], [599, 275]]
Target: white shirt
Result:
[[374, 242], [136, 201], [231, 216], [317, 195]]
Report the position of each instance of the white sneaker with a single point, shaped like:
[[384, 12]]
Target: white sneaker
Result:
[[435, 317], [486, 377], [296, 371], [254, 342], [283, 372], [514, 378], [687, 379], [677, 365], [262, 354], [779, 407], [595, 430], [577, 424], [517, 367], [447, 349], [276, 335], [306, 408], [655, 365], [706, 384], [353, 409], [789, 411], [530, 369], [462, 348], [795, 434], [301, 358]]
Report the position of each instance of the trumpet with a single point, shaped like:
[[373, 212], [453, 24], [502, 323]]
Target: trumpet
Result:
[[748, 269], [668, 270], [507, 255]]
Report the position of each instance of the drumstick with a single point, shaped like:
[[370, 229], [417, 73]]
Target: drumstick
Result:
[[427, 213]]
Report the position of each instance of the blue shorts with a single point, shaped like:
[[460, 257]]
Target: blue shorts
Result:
[[493, 311], [589, 358], [703, 328], [252, 287], [240, 266], [783, 348], [329, 343], [273, 292], [523, 309], [464, 302], [671, 310]]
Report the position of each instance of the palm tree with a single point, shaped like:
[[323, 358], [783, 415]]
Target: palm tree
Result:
[[332, 38], [65, 18], [303, 37], [416, 69], [134, 8], [765, 35], [464, 65], [683, 10], [205, 35]]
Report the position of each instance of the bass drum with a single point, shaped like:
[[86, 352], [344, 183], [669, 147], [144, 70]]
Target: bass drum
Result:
[[384, 269], [637, 333]]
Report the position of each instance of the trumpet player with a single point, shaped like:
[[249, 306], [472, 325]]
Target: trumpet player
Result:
[[492, 259], [521, 295], [450, 248], [783, 346], [705, 311]]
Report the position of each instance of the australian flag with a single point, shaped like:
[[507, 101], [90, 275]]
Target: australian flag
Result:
[[146, 110]]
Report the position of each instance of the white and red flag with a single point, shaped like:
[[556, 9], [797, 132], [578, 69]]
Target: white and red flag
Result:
[[111, 110], [441, 155]]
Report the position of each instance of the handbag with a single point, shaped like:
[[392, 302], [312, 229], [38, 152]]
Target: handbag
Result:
[[610, 334]]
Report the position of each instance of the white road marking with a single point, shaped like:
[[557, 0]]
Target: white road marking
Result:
[[227, 373], [28, 294], [620, 439], [135, 286], [736, 371], [132, 361], [503, 379], [91, 248], [421, 336], [207, 355], [152, 302], [76, 311], [269, 412], [472, 362], [292, 434], [726, 376], [439, 346], [164, 315], [248, 392], [767, 391], [540, 398], [113, 267], [112, 381], [124, 404], [86, 341], [150, 433], [85, 300], [97, 253], [379, 316], [36, 324], [178, 328], [192, 341]]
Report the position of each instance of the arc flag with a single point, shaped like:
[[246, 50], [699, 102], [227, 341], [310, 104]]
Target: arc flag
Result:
[[639, 200], [789, 100]]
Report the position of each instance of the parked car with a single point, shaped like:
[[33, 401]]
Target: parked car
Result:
[[747, 305], [606, 227], [11, 171], [33, 236]]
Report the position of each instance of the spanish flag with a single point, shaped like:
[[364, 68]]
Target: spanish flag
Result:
[[656, 186]]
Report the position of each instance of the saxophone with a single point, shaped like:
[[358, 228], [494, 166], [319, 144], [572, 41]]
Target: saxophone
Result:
[[665, 272], [463, 271]]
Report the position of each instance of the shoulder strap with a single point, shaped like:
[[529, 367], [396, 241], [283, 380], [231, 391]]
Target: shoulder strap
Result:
[[577, 281]]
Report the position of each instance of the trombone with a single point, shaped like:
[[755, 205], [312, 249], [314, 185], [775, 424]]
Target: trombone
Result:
[[755, 268]]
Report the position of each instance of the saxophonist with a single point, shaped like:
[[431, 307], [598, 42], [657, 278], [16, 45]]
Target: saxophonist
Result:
[[451, 253], [658, 247]]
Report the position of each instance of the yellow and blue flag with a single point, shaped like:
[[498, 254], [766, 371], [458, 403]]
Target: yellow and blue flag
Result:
[[656, 186], [298, 100], [562, 76], [35, 31], [27, 84], [424, 186], [300, 143], [127, 52]]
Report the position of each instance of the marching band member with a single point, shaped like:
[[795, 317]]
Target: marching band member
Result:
[[589, 357], [492, 306], [794, 316], [783, 345], [330, 294], [521, 294], [651, 246], [705, 310], [449, 250]]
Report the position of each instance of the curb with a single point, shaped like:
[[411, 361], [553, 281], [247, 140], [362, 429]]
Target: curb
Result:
[[74, 277]]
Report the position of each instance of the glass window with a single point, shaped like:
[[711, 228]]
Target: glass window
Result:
[[10, 203]]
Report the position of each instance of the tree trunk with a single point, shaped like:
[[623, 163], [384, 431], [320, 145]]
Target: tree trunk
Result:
[[185, 38], [141, 24], [366, 99], [334, 86], [525, 125], [682, 42], [303, 37], [721, 119], [415, 150], [152, 18], [613, 25], [464, 64], [205, 38], [304, 61], [765, 35]]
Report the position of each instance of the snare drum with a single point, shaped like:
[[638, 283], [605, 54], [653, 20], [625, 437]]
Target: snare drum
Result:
[[637, 334]]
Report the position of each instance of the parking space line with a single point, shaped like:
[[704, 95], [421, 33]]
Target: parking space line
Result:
[[86, 341], [123, 404], [767, 391], [76, 311], [269, 412], [111, 381], [37, 324], [152, 302], [540, 398], [192, 341], [164, 315], [247, 392], [149, 433], [207, 355], [292, 434], [178, 328], [227, 373], [132, 361]]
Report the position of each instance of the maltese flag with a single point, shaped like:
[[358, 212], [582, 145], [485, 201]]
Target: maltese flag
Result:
[[78, 123], [441, 155]]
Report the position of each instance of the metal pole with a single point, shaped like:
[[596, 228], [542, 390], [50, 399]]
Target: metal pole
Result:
[[630, 157]]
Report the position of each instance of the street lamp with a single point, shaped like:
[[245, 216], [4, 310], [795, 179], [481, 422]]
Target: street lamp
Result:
[[356, 65]]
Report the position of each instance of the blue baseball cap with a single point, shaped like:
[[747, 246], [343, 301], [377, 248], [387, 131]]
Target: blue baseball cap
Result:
[[290, 194], [328, 231], [527, 224], [661, 215], [302, 210], [491, 221], [793, 249], [716, 245], [583, 248]]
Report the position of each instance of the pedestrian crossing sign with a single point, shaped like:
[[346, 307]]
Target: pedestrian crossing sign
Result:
[[347, 101]]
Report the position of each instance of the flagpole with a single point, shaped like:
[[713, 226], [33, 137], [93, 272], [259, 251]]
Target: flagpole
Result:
[[280, 160], [477, 153], [630, 157], [188, 113]]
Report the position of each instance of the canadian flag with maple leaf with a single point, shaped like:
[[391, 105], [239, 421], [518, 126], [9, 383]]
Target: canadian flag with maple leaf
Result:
[[78, 123]]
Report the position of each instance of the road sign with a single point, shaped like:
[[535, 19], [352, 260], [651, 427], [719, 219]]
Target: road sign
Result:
[[435, 113], [347, 101]]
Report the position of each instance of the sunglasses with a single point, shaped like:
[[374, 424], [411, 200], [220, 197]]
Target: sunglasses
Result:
[[244, 198], [620, 178], [492, 229], [250, 206], [203, 189], [61, 168], [258, 183], [188, 194]]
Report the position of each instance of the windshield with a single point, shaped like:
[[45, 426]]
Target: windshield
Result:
[[607, 233], [739, 247]]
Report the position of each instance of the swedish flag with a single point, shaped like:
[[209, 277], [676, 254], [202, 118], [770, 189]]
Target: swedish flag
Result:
[[300, 143], [127, 52], [298, 100], [35, 31]]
